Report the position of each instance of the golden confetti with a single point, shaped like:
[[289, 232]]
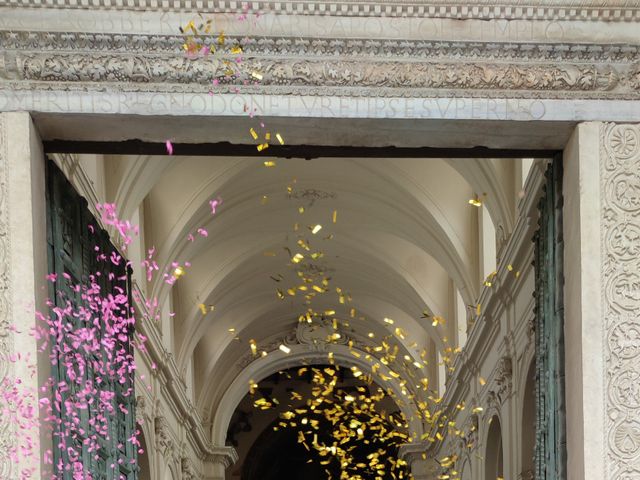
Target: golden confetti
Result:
[[284, 348], [280, 139], [253, 133], [389, 321], [178, 272], [270, 163], [316, 229], [203, 308], [335, 216], [475, 202], [256, 75]]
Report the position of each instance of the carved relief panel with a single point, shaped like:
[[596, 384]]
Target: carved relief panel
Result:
[[620, 237]]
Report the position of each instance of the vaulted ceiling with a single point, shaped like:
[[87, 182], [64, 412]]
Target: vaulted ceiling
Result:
[[405, 241]]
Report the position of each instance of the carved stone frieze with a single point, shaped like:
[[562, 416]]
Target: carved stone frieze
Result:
[[586, 10], [620, 243], [320, 47], [354, 67]]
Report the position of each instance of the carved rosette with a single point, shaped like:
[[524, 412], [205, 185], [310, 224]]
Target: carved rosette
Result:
[[6, 337], [620, 237]]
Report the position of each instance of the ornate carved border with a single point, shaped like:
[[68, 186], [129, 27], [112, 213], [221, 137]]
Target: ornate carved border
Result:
[[293, 66], [6, 337], [589, 10], [620, 237]]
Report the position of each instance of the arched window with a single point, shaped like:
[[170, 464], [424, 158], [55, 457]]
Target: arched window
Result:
[[493, 459]]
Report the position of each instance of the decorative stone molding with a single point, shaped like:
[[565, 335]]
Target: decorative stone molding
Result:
[[6, 337], [164, 440], [141, 409], [271, 346], [620, 237], [309, 66], [503, 379], [317, 335], [470, 429], [188, 469], [585, 10], [225, 456], [312, 195]]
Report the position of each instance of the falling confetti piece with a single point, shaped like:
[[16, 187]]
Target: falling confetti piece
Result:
[[169, 146], [280, 139], [316, 229], [214, 204], [253, 133], [270, 163], [285, 349]]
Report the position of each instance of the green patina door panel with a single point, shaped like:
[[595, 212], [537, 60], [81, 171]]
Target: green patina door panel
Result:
[[73, 235], [550, 448]]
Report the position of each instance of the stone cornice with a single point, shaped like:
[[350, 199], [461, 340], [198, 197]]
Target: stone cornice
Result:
[[585, 10], [308, 66]]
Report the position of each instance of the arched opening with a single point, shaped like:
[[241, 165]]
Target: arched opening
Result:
[[317, 422], [494, 467], [528, 431], [144, 472]]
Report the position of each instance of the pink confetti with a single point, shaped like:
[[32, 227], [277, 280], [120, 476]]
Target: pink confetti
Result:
[[169, 147], [214, 204]]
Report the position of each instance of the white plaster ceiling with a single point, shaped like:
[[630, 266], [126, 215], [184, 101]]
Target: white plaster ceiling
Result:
[[406, 239]]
